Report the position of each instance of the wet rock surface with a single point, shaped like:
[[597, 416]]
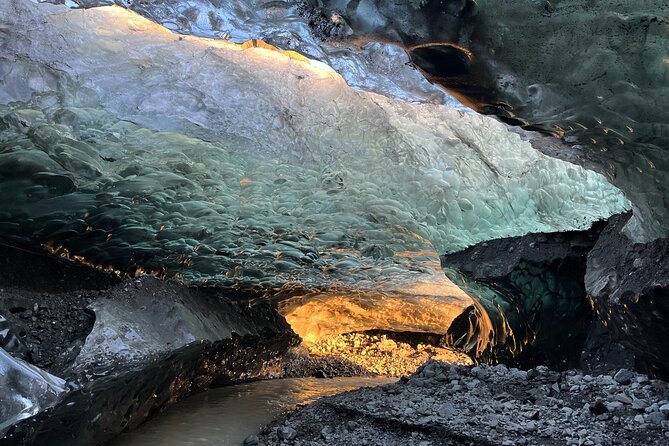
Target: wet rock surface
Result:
[[628, 284], [443, 404]]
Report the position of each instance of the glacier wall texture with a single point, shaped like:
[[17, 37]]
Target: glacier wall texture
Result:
[[252, 167], [594, 73], [595, 76]]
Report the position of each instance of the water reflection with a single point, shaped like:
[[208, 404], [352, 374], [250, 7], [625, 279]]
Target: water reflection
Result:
[[226, 416]]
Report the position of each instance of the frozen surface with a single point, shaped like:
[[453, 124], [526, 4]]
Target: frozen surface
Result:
[[592, 72], [130, 146], [25, 390], [382, 67]]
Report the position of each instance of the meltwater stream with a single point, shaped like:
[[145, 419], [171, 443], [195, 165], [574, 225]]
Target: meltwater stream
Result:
[[227, 415]]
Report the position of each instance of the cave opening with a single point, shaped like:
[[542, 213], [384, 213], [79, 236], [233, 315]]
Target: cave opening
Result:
[[270, 202]]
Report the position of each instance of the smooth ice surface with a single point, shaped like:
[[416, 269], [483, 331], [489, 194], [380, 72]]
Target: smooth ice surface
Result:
[[382, 67], [25, 390], [132, 146]]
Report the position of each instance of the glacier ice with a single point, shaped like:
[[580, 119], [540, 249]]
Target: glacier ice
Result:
[[25, 390], [253, 167], [382, 67], [594, 73]]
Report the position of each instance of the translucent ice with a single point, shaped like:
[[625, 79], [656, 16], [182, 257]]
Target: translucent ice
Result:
[[25, 390], [132, 147]]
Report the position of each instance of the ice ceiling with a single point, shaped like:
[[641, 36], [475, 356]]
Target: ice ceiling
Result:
[[594, 73], [131, 147]]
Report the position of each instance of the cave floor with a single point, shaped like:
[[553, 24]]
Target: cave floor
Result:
[[451, 405]]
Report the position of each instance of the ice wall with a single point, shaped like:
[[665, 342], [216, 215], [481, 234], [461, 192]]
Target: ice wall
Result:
[[131, 146]]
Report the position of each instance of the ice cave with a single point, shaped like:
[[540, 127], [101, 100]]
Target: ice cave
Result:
[[334, 222]]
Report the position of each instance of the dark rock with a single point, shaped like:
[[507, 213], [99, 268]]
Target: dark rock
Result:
[[602, 353], [623, 376], [251, 440], [33, 268], [286, 433], [628, 283], [655, 418], [531, 304], [598, 408], [10, 342]]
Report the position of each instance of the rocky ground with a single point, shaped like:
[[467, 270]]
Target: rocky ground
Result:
[[446, 404], [300, 363], [388, 354], [369, 353], [52, 326], [44, 315]]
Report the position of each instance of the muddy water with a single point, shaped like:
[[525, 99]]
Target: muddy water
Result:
[[226, 416]]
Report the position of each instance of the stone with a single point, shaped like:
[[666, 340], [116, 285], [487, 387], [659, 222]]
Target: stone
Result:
[[286, 433], [665, 409], [475, 268], [655, 418], [639, 403], [598, 408], [326, 432], [612, 406], [624, 376], [446, 410], [624, 398], [533, 414], [251, 440]]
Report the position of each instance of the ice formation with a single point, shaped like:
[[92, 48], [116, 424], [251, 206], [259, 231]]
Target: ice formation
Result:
[[130, 147], [26, 390], [382, 67], [252, 167], [593, 73]]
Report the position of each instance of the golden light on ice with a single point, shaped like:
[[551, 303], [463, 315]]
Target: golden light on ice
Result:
[[107, 18]]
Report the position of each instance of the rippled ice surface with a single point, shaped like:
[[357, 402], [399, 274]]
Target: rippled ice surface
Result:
[[226, 416], [133, 147]]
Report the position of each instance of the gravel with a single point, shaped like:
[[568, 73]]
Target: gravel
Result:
[[443, 404]]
